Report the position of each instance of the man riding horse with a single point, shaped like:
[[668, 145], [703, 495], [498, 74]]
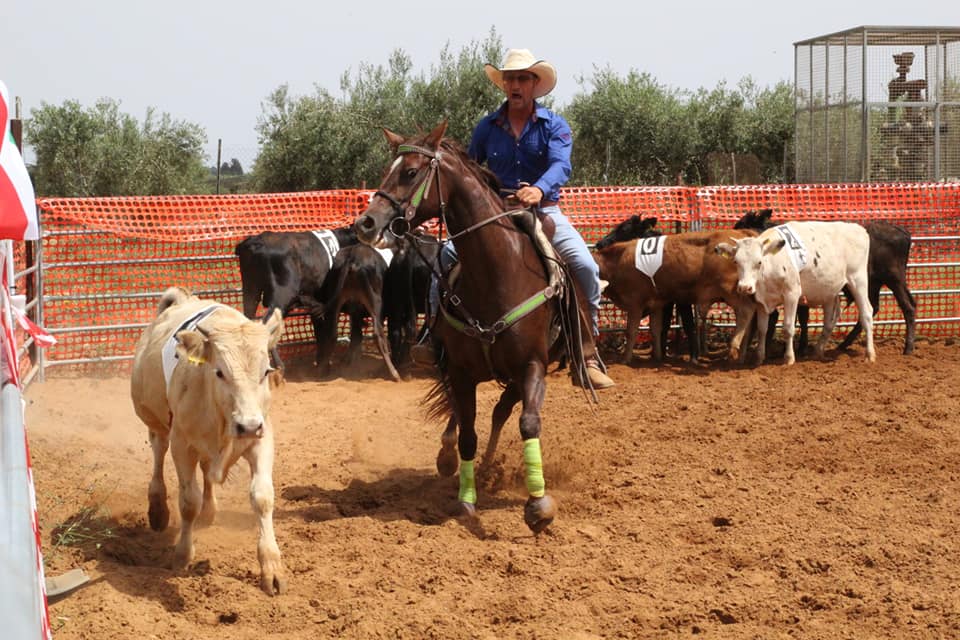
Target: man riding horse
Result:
[[528, 147]]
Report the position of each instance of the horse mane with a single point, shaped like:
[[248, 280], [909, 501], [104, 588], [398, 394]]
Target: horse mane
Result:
[[481, 173]]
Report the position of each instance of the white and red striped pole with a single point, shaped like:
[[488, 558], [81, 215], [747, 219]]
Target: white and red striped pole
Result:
[[23, 598]]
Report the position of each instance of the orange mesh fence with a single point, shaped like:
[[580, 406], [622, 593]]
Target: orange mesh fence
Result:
[[106, 260]]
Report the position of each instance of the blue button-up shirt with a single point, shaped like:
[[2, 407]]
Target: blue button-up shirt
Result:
[[541, 157]]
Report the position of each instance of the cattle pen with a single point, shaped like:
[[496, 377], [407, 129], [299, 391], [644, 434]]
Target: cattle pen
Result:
[[810, 501], [104, 261]]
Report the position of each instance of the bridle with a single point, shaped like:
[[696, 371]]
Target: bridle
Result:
[[406, 209]]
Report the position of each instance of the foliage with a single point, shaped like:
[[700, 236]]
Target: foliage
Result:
[[102, 152], [323, 142], [627, 130], [232, 168], [634, 130]]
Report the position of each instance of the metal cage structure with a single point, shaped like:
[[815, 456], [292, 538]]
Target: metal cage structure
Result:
[[878, 104]]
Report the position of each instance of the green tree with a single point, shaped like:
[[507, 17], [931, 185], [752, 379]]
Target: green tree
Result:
[[630, 130], [100, 151], [634, 130], [323, 142], [769, 126]]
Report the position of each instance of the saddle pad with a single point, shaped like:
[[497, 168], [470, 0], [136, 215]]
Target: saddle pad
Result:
[[168, 355], [798, 252], [649, 255], [329, 242]]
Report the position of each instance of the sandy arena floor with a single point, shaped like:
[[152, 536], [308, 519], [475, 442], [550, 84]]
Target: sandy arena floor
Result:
[[815, 501]]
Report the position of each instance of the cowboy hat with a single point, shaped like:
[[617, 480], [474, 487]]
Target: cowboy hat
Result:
[[523, 60]]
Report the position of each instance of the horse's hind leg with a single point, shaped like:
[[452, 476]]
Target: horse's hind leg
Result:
[[464, 392], [447, 456], [540, 509], [508, 400]]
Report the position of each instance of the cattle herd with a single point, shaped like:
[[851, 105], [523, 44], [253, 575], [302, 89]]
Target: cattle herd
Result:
[[203, 373]]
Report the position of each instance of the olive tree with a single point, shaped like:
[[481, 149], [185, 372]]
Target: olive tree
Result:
[[100, 151], [326, 142]]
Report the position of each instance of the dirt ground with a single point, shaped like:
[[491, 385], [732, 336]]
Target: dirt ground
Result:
[[813, 501]]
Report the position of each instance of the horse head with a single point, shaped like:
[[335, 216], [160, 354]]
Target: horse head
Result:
[[405, 197], [430, 177]]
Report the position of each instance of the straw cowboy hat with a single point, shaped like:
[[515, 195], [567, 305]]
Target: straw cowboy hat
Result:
[[523, 60]]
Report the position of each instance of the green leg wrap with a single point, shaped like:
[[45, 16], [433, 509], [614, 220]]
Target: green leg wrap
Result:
[[533, 462], [468, 486]]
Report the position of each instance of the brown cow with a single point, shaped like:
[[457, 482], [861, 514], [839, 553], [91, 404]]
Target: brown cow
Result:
[[201, 383], [685, 271]]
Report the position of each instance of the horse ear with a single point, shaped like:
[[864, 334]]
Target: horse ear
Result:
[[433, 139], [394, 139]]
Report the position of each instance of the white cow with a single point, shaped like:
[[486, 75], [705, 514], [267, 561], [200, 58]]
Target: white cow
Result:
[[201, 383], [814, 260]]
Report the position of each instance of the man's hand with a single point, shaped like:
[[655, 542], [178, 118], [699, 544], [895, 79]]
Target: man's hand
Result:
[[529, 196]]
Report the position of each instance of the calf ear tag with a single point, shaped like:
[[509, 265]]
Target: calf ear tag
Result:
[[724, 250]]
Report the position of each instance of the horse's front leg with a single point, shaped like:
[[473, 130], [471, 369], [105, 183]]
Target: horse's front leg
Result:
[[540, 509]]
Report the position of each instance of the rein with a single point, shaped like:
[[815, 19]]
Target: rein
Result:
[[406, 210]]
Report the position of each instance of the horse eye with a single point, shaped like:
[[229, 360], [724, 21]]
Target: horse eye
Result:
[[410, 174]]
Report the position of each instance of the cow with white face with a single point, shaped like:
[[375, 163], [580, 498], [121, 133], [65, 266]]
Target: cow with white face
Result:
[[813, 260], [201, 382]]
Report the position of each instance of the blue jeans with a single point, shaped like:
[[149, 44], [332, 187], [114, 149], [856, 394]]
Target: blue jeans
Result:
[[569, 244]]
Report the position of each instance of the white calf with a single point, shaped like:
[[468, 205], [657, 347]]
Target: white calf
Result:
[[201, 384], [814, 260]]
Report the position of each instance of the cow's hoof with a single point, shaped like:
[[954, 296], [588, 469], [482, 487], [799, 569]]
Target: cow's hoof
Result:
[[159, 515], [538, 513], [181, 560], [273, 583], [206, 516]]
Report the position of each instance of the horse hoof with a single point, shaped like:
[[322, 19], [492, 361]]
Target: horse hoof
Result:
[[447, 462], [468, 510], [539, 513]]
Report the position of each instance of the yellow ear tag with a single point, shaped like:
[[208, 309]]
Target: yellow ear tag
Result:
[[195, 360]]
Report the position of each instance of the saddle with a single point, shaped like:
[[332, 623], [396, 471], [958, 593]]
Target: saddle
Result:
[[541, 228]]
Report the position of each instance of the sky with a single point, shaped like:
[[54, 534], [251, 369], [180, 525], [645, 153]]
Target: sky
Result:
[[214, 63]]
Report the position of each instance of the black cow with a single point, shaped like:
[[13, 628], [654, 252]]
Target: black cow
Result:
[[355, 286], [886, 265], [635, 227], [277, 268], [406, 289]]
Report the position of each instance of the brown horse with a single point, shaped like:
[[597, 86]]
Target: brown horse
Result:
[[496, 320]]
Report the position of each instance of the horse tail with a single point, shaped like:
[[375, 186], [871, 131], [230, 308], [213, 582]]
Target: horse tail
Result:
[[437, 401]]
